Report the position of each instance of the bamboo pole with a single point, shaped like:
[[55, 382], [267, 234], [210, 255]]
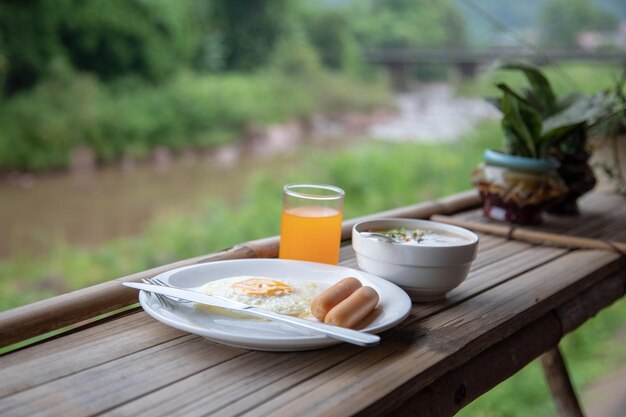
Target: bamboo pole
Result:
[[533, 236], [54, 313], [560, 384]]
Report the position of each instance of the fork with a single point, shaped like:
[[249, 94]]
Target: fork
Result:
[[157, 281], [163, 299], [160, 298]]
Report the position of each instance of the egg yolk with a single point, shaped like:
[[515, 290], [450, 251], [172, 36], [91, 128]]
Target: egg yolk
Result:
[[260, 287]]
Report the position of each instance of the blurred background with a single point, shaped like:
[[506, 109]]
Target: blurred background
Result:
[[134, 133]]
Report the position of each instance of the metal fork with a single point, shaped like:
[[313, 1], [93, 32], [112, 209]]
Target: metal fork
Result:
[[163, 298], [160, 298]]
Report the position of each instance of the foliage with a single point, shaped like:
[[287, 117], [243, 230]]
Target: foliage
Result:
[[27, 39], [330, 33], [118, 38], [408, 24], [295, 57], [39, 128], [111, 38], [122, 77], [562, 20], [249, 30], [537, 123]]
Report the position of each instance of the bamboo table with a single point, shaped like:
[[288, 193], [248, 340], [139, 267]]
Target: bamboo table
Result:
[[518, 302]]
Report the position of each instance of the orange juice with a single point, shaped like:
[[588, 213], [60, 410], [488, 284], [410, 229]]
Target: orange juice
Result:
[[311, 234]]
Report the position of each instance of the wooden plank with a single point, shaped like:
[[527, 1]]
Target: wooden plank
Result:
[[487, 241], [492, 268], [63, 310], [34, 319], [100, 336], [533, 236], [79, 351], [417, 355], [502, 250], [235, 385], [242, 363], [204, 402], [509, 266], [598, 212], [588, 303], [96, 389], [491, 276], [445, 340], [458, 387]]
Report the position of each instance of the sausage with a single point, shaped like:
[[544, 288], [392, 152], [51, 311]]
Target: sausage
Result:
[[353, 309], [332, 296]]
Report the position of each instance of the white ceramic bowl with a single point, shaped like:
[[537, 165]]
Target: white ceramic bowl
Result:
[[426, 273]]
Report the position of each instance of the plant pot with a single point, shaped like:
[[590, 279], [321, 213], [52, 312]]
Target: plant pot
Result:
[[517, 189], [579, 179]]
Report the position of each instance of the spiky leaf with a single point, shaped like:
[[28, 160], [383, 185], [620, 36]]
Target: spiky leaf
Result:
[[521, 125], [541, 90]]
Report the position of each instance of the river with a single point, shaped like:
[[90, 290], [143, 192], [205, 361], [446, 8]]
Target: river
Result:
[[89, 206]]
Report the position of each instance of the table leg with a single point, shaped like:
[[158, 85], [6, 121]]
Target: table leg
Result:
[[560, 385]]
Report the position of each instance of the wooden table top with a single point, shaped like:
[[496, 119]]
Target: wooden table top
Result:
[[518, 301]]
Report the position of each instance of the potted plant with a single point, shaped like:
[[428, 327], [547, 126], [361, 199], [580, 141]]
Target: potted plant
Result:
[[518, 183], [566, 123]]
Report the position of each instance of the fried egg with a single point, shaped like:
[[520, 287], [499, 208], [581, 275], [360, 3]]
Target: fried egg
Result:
[[281, 296]]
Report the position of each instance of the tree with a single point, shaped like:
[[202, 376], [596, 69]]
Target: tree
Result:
[[408, 24], [28, 39], [249, 30], [150, 39], [329, 31], [562, 20]]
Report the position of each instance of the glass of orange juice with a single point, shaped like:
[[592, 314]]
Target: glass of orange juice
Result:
[[310, 228]]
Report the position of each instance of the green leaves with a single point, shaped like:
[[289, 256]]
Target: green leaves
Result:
[[408, 23], [540, 94], [519, 121], [537, 121], [584, 110]]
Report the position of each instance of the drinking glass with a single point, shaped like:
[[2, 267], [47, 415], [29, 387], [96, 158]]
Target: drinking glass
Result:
[[310, 227]]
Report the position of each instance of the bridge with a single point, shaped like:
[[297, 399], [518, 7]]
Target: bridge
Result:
[[401, 61]]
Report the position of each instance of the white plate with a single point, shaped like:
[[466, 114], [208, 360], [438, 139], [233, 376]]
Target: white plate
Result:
[[394, 305]]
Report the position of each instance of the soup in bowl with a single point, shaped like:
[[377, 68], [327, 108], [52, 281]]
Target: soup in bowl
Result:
[[427, 259]]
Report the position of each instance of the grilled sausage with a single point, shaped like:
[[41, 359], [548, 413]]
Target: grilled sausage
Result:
[[332, 296], [353, 309]]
